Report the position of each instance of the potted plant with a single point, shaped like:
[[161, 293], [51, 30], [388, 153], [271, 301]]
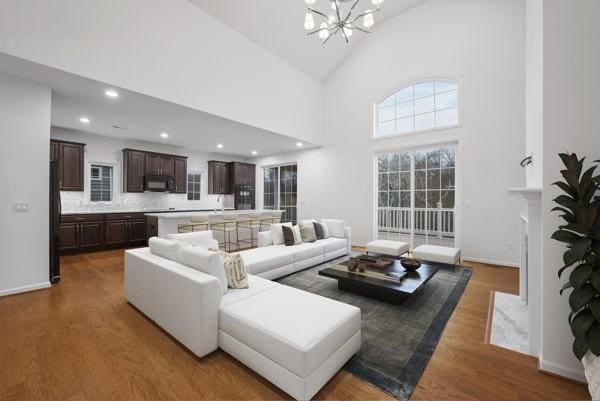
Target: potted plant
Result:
[[580, 209]]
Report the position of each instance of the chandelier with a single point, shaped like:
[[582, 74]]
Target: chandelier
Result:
[[344, 19]]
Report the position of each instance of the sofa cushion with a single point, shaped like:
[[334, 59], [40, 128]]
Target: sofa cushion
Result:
[[205, 261], [333, 244], [335, 227], [256, 285], [196, 238], [308, 250], [259, 260], [296, 329], [171, 250], [277, 233]]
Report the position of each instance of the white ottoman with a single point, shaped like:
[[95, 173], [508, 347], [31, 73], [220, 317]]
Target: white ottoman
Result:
[[385, 247], [438, 254]]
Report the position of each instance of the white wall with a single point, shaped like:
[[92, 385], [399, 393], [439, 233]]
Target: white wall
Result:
[[571, 104], [25, 128], [480, 41], [101, 149], [169, 49]]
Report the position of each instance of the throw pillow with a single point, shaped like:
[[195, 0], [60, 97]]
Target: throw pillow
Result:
[[235, 270], [297, 235], [171, 250], [336, 228], [277, 233], [206, 261], [288, 235], [307, 232], [321, 231]]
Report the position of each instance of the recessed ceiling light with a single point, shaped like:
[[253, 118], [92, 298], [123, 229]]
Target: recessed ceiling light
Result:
[[164, 135], [254, 152], [84, 120], [111, 93], [299, 144], [220, 145]]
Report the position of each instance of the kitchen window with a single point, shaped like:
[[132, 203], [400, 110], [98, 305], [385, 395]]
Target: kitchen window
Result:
[[101, 183], [194, 186]]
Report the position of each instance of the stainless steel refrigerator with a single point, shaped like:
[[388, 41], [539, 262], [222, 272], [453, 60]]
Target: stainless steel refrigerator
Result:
[[55, 212]]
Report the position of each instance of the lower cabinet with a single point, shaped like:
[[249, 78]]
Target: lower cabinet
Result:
[[125, 232], [90, 234]]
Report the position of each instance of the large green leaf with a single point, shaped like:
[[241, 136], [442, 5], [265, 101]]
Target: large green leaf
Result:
[[595, 279], [582, 323], [580, 347], [595, 308], [574, 227], [587, 216], [581, 248], [565, 236], [567, 202], [580, 275], [565, 286], [567, 215], [571, 177], [593, 339], [566, 188], [568, 259], [580, 297]]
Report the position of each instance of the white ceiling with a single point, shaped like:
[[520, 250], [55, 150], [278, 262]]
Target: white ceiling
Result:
[[278, 26], [144, 117]]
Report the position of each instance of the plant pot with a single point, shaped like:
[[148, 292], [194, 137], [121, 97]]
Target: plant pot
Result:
[[591, 364]]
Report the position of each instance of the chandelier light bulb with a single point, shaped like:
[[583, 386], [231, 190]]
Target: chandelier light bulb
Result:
[[334, 5], [323, 32], [331, 18], [309, 22], [310, 2], [368, 20], [348, 30], [376, 2]]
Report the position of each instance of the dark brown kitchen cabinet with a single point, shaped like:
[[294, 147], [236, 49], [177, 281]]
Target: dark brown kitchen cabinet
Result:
[[167, 166], [70, 157], [90, 234], [79, 232], [125, 229], [159, 164], [133, 170], [152, 164], [219, 174], [117, 232], [242, 173], [180, 175], [68, 235]]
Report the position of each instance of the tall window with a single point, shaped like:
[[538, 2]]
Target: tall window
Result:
[[422, 106], [416, 195], [280, 190], [101, 183], [194, 186]]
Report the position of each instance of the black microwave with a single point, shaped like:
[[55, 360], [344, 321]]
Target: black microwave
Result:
[[158, 183]]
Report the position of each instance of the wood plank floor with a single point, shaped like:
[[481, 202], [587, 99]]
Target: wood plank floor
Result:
[[81, 341]]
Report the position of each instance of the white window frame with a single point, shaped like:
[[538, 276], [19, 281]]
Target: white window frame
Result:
[[379, 100], [88, 178], [201, 173], [261, 182]]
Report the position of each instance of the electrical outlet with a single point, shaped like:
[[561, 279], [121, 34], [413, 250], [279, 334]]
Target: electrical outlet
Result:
[[21, 206]]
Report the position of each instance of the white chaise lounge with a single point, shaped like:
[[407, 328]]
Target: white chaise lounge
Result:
[[295, 339]]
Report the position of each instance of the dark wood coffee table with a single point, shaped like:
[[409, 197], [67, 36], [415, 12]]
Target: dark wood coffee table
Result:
[[373, 283]]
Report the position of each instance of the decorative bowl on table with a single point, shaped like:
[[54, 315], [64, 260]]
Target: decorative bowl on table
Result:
[[410, 264]]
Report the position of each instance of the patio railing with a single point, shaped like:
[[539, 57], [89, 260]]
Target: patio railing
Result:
[[431, 222]]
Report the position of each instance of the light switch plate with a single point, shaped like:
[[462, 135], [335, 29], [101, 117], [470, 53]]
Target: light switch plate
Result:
[[21, 206]]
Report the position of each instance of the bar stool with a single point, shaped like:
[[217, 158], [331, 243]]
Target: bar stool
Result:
[[266, 219], [277, 216], [198, 223], [251, 223], [227, 226]]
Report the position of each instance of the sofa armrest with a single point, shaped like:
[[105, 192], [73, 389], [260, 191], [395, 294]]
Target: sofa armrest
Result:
[[214, 244], [264, 239], [348, 236]]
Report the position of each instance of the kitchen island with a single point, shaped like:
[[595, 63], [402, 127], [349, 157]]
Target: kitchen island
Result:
[[168, 222]]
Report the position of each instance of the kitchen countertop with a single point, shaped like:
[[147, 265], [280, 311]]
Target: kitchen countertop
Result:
[[147, 212], [211, 212]]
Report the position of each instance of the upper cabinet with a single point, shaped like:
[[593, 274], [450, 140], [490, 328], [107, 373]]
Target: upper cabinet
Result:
[[70, 156], [159, 164], [138, 163], [180, 164], [133, 170], [243, 173], [219, 178]]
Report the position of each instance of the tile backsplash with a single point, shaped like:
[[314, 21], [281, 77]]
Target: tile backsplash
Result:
[[74, 202]]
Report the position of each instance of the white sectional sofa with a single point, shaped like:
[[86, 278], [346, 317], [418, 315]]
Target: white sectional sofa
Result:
[[295, 339]]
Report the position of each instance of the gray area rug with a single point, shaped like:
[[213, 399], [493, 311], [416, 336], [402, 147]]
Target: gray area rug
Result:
[[397, 340]]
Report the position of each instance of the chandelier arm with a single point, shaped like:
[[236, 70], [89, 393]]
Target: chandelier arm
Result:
[[362, 30], [337, 11], [350, 11], [329, 37], [359, 16], [345, 36], [319, 13]]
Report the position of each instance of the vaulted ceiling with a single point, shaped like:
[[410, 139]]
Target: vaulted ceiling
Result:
[[277, 25]]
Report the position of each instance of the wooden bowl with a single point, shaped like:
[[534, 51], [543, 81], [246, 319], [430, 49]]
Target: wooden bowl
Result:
[[410, 264]]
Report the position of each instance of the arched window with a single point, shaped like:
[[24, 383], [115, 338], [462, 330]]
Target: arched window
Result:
[[420, 106]]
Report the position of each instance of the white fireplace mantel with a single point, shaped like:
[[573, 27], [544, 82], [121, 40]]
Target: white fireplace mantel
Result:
[[532, 195]]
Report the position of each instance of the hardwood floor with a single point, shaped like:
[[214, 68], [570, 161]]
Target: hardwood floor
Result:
[[81, 341]]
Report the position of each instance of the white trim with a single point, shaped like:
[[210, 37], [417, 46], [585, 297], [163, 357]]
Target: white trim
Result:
[[563, 371], [25, 288], [491, 262]]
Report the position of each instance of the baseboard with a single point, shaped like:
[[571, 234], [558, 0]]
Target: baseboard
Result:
[[558, 370], [491, 262], [25, 288]]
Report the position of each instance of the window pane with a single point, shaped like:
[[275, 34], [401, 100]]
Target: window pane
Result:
[[446, 100], [447, 178], [446, 117], [433, 197], [394, 198], [386, 128], [446, 157], [405, 95], [445, 86], [405, 199], [424, 89], [383, 199], [420, 177], [382, 163], [424, 105], [405, 181], [420, 199], [405, 124], [387, 113], [383, 182], [433, 179], [448, 199], [394, 162], [390, 101], [433, 158], [425, 121], [394, 181], [405, 109], [404, 162], [420, 159]]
